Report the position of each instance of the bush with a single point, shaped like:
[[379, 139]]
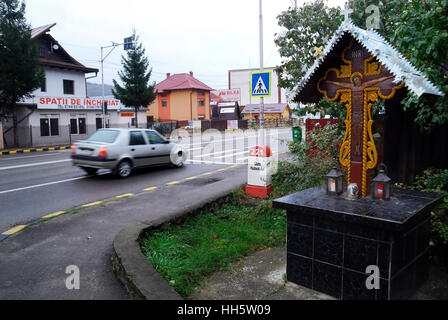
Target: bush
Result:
[[436, 180], [311, 161]]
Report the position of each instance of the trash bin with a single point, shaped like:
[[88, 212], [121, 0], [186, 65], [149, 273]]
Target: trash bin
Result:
[[297, 134]]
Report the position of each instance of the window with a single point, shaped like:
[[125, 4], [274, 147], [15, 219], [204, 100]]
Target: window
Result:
[[69, 87], [49, 127], [41, 52], [99, 123], [154, 138], [78, 126], [82, 125], [201, 102], [164, 95], [73, 126], [164, 103], [200, 93], [43, 87], [136, 138], [108, 136]]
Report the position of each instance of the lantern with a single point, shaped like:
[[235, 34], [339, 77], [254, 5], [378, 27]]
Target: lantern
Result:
[[334, 182], [381, 186]]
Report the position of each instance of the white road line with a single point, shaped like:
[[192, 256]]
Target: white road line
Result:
[[41, 185], [210, 162], [34, 164]]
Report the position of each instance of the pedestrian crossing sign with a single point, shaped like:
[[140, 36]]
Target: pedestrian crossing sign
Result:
[[261, 84]]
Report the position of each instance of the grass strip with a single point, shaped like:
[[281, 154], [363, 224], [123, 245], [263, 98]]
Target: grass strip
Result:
[[210, 242]]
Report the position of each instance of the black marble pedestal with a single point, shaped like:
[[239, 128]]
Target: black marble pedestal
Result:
[[332, 240]]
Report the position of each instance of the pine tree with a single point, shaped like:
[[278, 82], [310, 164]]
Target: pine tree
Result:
[[20, 72], [135, 78]]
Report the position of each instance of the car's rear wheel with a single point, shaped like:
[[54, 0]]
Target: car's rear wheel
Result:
[[178, 162], [123, 169], [90, 171]]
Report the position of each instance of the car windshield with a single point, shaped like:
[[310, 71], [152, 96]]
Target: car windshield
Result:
[[107, 136]]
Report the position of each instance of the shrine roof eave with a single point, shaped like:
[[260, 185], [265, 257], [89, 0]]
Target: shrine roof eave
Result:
[[398, 65]]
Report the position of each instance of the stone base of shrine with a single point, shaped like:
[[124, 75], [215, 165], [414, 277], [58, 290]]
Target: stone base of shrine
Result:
[[332, 241]]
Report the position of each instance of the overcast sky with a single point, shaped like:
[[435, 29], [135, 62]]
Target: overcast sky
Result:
[[208, 37]]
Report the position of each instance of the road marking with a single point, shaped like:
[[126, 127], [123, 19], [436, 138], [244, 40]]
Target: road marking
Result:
[[34, 164], [191, 178], [209, 162], [126, 195], [53, 215], [150, 189], [14, 230], [223, 169], [172, 182], [42, 185], [207, 173], [92, 204]]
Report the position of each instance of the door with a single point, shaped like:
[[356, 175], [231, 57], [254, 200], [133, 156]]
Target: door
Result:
[[139, 149], [160, 149]]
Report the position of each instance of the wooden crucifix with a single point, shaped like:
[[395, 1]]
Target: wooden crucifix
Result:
[[358, 82]]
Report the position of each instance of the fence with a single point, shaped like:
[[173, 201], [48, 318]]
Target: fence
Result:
[[34, 136]]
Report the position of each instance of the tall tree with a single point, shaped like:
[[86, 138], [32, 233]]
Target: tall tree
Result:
[[417, 28], [20, 72], [135, 76]]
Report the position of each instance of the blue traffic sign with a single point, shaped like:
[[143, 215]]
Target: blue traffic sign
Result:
[[261, 84]]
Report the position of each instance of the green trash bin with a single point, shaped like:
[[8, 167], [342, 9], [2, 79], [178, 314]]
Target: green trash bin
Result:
[[297, 134]]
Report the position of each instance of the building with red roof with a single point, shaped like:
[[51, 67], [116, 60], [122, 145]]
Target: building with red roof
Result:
[[180, 97]]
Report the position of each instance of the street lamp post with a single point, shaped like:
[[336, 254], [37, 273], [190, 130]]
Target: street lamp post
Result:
[[261, 69]]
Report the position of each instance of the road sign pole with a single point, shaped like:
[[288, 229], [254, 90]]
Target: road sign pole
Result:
[[261, 69]]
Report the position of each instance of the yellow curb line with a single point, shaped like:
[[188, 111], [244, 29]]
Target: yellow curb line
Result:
[[150, 189], [13, 152], [27, 151], [51, 149], [53, 215], [14, 230], [207, 173], [39, 150], [191, 178], [92, 204], [126, 195], [172, 182]]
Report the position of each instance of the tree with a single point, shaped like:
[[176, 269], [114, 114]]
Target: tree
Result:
[[135, 78], [416, 28], [20, 72]]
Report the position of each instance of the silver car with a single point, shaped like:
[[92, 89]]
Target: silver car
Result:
[[122, 150]]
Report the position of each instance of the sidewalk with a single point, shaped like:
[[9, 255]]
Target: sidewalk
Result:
[[261, 276], [28, 150], [33, 262]]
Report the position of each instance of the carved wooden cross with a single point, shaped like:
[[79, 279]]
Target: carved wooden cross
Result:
[[358, 83]]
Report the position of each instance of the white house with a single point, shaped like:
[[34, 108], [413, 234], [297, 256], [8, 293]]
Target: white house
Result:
[[241, 79], [60, 111]]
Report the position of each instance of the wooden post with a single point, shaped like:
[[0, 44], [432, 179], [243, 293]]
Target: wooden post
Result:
[[1, 136]]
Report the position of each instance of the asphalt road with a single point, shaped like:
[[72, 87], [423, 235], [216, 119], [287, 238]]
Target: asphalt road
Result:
[[36, 184]]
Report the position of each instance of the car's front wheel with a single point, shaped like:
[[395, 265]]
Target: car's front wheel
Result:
[[123, 169]]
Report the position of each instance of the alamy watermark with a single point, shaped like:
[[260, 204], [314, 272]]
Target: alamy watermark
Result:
[[72, 282]]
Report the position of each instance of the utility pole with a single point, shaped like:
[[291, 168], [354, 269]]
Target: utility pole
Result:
[[113, 46], [261, 69]]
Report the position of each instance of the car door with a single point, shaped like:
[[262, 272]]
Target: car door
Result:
[[139, 149], [160, 148]]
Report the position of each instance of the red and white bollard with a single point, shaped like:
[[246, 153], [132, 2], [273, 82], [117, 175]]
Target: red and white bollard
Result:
[[259, 172]]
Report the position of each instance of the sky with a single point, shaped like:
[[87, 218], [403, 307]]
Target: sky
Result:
[[207, 37]]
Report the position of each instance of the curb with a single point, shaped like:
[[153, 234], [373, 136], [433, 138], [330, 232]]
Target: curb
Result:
[[29, 150], [130, 265]]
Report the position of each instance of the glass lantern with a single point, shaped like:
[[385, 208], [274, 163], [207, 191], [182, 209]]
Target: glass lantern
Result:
[[381, 186], [334, 182]]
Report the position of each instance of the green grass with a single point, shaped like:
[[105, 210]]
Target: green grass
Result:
[[210, 242]]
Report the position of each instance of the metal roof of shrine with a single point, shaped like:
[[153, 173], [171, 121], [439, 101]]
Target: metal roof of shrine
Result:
[[383, 51]]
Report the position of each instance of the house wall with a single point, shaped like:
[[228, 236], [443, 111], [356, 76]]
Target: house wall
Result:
[[181, 105]]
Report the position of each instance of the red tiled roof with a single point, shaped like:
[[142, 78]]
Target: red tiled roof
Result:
[[181, 81]]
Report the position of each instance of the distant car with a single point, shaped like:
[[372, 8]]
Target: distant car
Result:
[[122, 150], [189, 128]]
